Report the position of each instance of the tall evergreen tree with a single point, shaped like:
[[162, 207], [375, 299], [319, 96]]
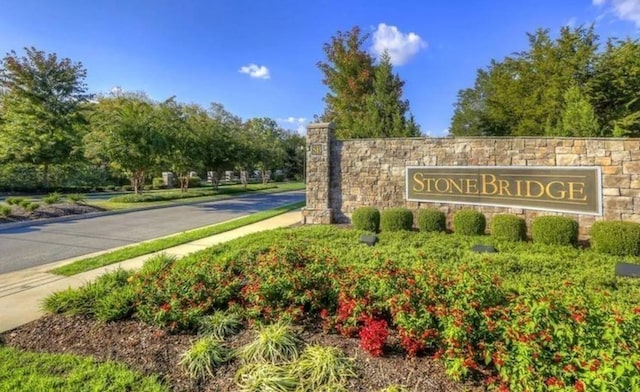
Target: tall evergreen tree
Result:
[[386, 114], [364, 99], [578, 117]]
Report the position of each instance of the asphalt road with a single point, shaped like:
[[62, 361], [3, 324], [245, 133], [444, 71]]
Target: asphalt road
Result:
[[39, 244]]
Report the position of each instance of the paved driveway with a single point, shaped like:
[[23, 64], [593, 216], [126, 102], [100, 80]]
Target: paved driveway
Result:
[[39, 244]]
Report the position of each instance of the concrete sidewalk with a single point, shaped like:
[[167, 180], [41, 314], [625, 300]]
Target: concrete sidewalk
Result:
[[22, 292]]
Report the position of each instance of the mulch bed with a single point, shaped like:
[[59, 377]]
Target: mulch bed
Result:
[[152, 351], [48, 211]]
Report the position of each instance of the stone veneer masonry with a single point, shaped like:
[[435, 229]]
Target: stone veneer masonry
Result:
[[343, 175]]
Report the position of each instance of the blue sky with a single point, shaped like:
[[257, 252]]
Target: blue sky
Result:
[[258, 58]]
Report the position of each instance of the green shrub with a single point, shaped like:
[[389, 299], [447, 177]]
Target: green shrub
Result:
[[24, 203], [52, 198], [396, 219], [431, 219], [195, 182], [366, 218], [554, 230], [508, 228], [204, 356], [616, 238], [110, 188], [14, 201], [469, 222], [76, 198], [158, 183], [117, 304], [32, 207], [5, 210]]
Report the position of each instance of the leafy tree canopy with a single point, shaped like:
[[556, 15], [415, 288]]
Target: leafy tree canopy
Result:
[[562, 86]]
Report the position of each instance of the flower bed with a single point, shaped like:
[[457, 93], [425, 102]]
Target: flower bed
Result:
[[530, 317]]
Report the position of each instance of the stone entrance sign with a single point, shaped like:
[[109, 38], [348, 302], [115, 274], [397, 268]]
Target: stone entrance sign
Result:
[[563, 189]]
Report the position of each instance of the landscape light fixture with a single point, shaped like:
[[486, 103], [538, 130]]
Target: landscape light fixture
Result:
[[627, 270], [484, 249], [368, 239]]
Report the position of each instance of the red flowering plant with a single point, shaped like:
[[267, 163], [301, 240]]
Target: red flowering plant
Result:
[[288, 281], [373, 336], [565, 341], [176, 295]]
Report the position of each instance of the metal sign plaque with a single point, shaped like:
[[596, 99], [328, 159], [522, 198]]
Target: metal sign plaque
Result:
[[570, 189]]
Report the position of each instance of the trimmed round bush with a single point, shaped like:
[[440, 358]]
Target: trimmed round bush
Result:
[[194, 182], [396, 219], [616, 238], [469, 222], [554, 230], [366, 218], [431, 219], [508, 228]]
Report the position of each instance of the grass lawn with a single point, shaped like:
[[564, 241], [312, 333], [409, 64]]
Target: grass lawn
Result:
[[164, 243], [194, 195], [26, 371]]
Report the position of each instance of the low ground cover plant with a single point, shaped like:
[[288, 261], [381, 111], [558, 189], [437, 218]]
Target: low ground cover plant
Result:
[[20, 371], [530, 317]]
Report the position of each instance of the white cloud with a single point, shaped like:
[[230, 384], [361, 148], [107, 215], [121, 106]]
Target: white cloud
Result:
[[255, 71], [623, 9], [400, 46], [292, 120]]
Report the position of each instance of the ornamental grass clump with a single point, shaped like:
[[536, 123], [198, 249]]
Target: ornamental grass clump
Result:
[[267, 377], [616, 238], [366, 218], [554, 230], [508, 228], [396, 219], [275, 343], [221, 324], [469, 222], [5, 210], [204, 356], [52, 198], [322, 367], [431, 219]]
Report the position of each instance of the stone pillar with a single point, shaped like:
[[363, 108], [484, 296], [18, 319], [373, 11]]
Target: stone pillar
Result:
[[318, 164]]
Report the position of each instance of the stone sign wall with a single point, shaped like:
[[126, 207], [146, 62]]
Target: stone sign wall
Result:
[[343, 175]]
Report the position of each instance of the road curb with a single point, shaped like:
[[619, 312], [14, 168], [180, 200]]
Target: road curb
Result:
[[40, 222]]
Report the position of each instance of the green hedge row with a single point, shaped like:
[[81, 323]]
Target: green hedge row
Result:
[[612, 237]]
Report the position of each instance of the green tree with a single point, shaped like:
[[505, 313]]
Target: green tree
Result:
[[42, 109], [215, 130], [184, 153], [386, 110], [267, 145], [128, 133], [524, 94], [348, 74], [613, 90], [578, 118]]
